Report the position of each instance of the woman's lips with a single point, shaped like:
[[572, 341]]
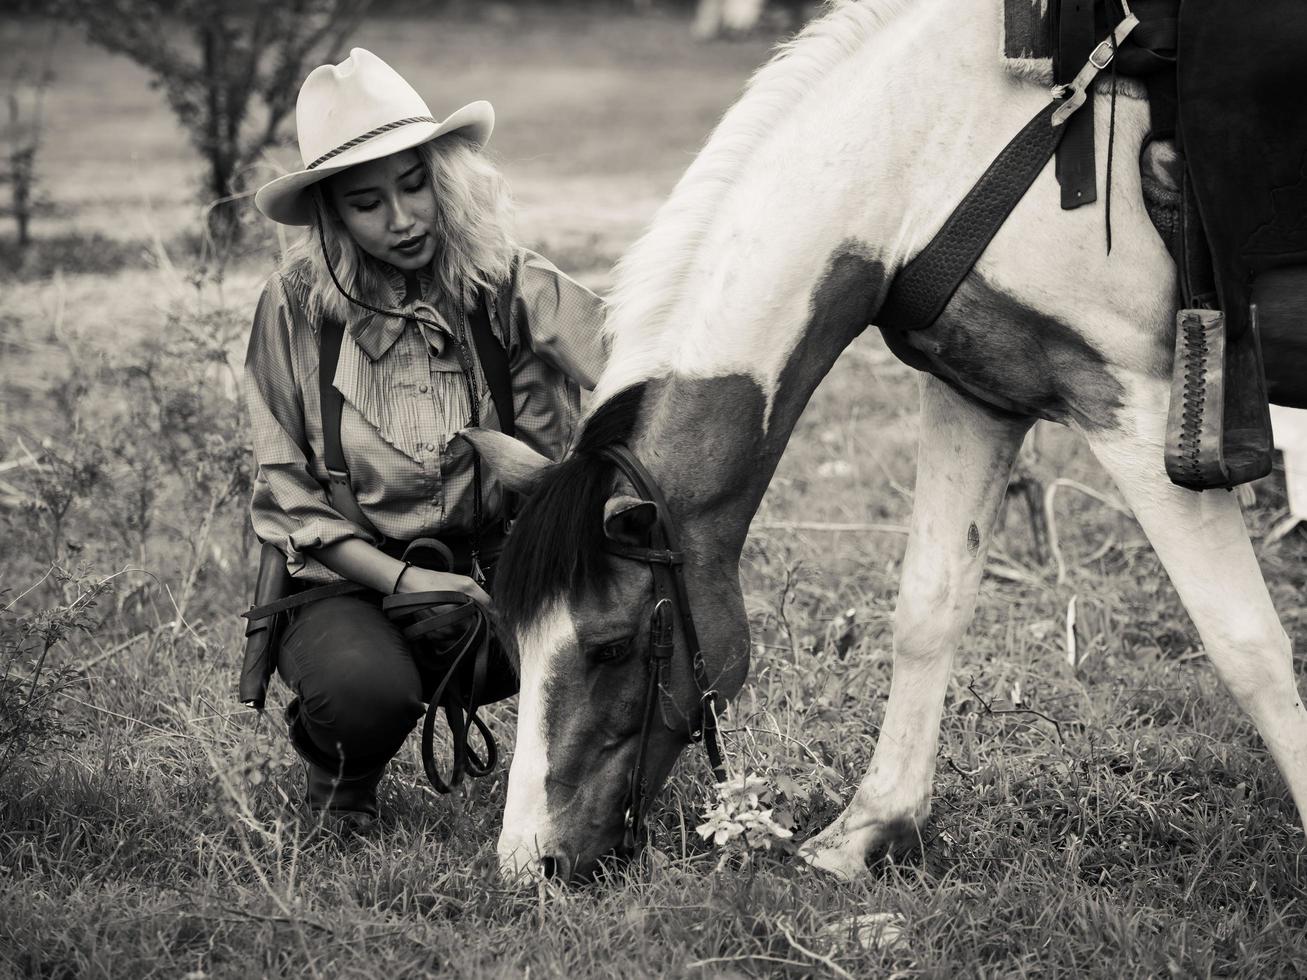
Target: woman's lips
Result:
[[411, 246]]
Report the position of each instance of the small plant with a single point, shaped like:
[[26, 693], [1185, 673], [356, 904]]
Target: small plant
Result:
[[747, 817], [29, 686]]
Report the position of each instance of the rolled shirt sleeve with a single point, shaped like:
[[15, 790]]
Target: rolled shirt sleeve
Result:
[[289, 507], [559, 319]]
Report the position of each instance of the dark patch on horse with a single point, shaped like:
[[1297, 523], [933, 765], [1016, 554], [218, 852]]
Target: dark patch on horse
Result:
[[843, 304], [723, 480], [973, 539], [558, 537], [718, 480], [557, 544], [1014, 358]]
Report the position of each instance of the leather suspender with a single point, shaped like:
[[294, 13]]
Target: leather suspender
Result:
[[340, 492], [494, 365]]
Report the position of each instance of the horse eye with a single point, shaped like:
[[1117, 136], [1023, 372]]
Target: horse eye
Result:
[[611, 651]]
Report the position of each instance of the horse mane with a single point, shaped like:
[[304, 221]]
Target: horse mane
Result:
[[651, 275], [558, 544]]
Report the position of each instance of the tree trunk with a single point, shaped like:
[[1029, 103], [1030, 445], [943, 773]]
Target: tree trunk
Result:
[[223, 218]]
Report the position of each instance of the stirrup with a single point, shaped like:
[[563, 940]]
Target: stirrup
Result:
[[1218, 432]]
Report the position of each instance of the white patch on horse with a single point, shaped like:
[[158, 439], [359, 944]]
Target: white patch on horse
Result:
[[527, 832], [683, 245]]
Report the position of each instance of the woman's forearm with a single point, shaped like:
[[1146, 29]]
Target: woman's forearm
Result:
[[358, 561]]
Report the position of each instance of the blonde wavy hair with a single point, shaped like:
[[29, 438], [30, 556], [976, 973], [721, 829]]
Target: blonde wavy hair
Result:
[[473, 227]]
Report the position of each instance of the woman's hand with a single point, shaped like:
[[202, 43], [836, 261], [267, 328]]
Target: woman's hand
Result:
[[418, 579]]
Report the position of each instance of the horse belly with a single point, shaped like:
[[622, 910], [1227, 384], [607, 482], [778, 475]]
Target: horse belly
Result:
[[1014, 358]]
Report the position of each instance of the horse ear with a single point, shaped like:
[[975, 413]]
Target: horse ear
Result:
[[516, 465], [627, 519]]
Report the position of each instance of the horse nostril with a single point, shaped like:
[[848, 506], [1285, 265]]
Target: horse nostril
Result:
[[552, 867]]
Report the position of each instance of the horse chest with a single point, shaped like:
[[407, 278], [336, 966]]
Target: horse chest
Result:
[[1014, 358]]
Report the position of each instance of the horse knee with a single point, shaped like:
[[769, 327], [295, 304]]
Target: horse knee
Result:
[[926, 624]]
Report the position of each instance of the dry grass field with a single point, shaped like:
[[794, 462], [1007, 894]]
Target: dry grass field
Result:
[[1115, 817]]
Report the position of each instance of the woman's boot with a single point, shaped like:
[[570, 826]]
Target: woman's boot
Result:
[[343, 804]]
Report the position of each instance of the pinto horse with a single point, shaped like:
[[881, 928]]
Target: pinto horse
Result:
[[843, 157]]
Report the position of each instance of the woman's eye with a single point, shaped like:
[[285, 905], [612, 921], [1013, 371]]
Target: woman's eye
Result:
[[415, 188], [367, 207], [611, 651]]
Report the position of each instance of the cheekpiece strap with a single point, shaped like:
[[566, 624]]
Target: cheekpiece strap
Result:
[[652, 556]]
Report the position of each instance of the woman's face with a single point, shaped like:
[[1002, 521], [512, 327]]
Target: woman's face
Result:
[[389, 207]]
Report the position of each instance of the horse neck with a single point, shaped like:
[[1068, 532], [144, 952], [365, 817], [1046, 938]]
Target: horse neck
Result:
[[802, 246], [714, 439]]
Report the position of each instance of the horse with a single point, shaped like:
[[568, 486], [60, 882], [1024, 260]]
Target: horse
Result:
[[841, 159]]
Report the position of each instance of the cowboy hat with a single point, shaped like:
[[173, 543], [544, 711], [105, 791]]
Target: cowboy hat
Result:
[[358, 110]]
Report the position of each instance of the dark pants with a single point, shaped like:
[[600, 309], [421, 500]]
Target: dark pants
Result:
[[357, 682]]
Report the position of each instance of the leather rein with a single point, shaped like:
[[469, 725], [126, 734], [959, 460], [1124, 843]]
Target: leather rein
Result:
[[461, 626], [671, 599]]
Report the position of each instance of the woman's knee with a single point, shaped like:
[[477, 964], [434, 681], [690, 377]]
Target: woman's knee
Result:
[[366, 709], [359, 689]]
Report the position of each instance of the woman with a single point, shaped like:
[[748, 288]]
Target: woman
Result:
[[405, 214]]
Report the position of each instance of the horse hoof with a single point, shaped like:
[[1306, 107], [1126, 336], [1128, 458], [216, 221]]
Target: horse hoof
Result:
[[834, 853]]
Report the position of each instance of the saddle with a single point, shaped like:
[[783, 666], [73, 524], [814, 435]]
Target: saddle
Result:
[[1224, 80]]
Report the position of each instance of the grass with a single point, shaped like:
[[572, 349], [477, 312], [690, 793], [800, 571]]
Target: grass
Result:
[[1146, 833]]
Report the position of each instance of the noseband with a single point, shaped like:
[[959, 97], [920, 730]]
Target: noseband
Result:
[[667, 563]]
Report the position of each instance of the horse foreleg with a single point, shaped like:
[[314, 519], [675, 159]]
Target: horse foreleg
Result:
[[965, 456], [1203, 544]]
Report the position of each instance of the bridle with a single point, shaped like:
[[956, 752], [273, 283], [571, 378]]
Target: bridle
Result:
[[667, 563]]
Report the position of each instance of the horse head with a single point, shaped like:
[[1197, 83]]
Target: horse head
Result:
[[586, 617]]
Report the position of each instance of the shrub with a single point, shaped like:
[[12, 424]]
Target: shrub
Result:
[[30, 720]]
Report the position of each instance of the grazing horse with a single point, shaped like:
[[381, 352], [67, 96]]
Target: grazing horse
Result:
[[843, 157]]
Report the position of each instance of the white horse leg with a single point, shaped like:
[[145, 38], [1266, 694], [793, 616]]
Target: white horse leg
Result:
[[1202, 542], [965, 457]]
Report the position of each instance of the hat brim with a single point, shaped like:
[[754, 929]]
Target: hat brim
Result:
[[284, 201]]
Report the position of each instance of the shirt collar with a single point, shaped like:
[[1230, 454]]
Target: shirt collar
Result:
[[376, 333]]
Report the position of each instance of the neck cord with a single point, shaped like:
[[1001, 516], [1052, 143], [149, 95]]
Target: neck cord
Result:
[[466, 369]]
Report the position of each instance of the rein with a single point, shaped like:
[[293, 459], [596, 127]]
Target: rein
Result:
[[458, 627], [667, 563]]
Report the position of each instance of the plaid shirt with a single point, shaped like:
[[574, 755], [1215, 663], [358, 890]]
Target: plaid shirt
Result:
[[405, 399]]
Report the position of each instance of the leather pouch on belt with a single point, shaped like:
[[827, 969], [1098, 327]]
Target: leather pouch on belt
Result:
[[263, 636]]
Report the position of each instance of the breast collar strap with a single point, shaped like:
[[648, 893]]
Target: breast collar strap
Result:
[[671, 601]]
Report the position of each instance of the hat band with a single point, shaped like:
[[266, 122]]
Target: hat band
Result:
[[367, 136]]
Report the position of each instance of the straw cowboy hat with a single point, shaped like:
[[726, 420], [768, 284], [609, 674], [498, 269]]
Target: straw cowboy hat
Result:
[[358, 110]]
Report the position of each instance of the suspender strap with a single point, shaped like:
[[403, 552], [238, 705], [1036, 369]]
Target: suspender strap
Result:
[[329, 340], [494, 364], [339, 490]]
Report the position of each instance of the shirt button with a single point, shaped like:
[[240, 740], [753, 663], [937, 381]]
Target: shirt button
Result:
[[431, 447], [422, 388]]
